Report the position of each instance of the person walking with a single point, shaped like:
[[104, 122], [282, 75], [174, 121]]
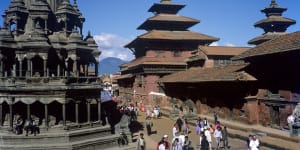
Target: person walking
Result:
[[187, 145], [141, 142], [204, 143], [176, 145], [218, 137], [215, 117], [149, 124], [208, 137], [198, 126], [225, 137], [179, 124], [185, 127]]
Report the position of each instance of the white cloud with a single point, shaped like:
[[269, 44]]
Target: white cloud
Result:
[[214, 44], [112, 45]]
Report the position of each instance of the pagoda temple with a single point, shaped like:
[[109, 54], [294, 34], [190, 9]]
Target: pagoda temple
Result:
[[278, 81], [159, 52], [44, 77], [274, 25]]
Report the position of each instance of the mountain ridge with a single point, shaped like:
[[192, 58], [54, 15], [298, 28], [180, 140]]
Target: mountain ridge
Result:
[[110, 65]]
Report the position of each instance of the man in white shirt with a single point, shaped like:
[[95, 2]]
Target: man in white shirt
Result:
[[254, 143], [290, 121]]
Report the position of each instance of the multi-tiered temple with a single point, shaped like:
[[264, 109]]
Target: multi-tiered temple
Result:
[[274, 25], [160, 51], [44, 62]]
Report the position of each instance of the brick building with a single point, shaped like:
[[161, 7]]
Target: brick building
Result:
[[159, 52]]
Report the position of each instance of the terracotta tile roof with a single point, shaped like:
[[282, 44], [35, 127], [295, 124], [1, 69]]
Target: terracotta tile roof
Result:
[[176, 35], [178, 61], [284, 43], [172, 17], [223, 50], [126, 76], [265, 37], [279, 19], [168, 21], [214, 74]]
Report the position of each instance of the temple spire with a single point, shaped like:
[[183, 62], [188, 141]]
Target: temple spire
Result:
[[274, 25]]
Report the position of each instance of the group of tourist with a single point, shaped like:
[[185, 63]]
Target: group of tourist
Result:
[[205, 130], [29, 124], [130, 110], [154, 113]]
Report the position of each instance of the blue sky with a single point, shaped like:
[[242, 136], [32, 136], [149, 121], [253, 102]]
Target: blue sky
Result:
[[113, 22]]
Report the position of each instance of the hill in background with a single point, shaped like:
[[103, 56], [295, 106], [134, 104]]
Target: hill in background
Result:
[[110, 65]]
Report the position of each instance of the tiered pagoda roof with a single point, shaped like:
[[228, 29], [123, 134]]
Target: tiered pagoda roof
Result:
[[165, 28], [274, 25], [282, 44]]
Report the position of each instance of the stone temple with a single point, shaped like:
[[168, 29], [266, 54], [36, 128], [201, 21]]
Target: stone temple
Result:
[[44, 75]]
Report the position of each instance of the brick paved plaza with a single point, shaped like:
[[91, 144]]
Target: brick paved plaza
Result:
[[164, 126]]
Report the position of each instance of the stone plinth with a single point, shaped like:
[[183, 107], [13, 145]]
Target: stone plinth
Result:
[[92, 138]]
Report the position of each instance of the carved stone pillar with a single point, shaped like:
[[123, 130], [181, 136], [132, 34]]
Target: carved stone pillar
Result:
[[45, 68], [88, 105], [28, 111], [86, 72], [31, 70], [99, 109], [64, 114], [77, 111], [58, 70], [28, 73], [20, 68], [46, 116], [75, 70], [10, 103], [14, 72]]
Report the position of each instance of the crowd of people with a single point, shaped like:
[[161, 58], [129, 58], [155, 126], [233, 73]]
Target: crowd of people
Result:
[[203, 128]]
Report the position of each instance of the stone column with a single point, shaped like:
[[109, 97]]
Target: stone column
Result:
[[20, 68], [11, 113], [77, 111], [31, 70], [46, 116], [45, 67], [64, 114], [28, 67], [86, 67], [28, 111], [58, 70], [75, 70], [67, 69], [1, 68], [88, 105], [14, 72], [1, 119], [99, 109]]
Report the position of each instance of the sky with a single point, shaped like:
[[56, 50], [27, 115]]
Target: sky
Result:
[[113, 23]]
